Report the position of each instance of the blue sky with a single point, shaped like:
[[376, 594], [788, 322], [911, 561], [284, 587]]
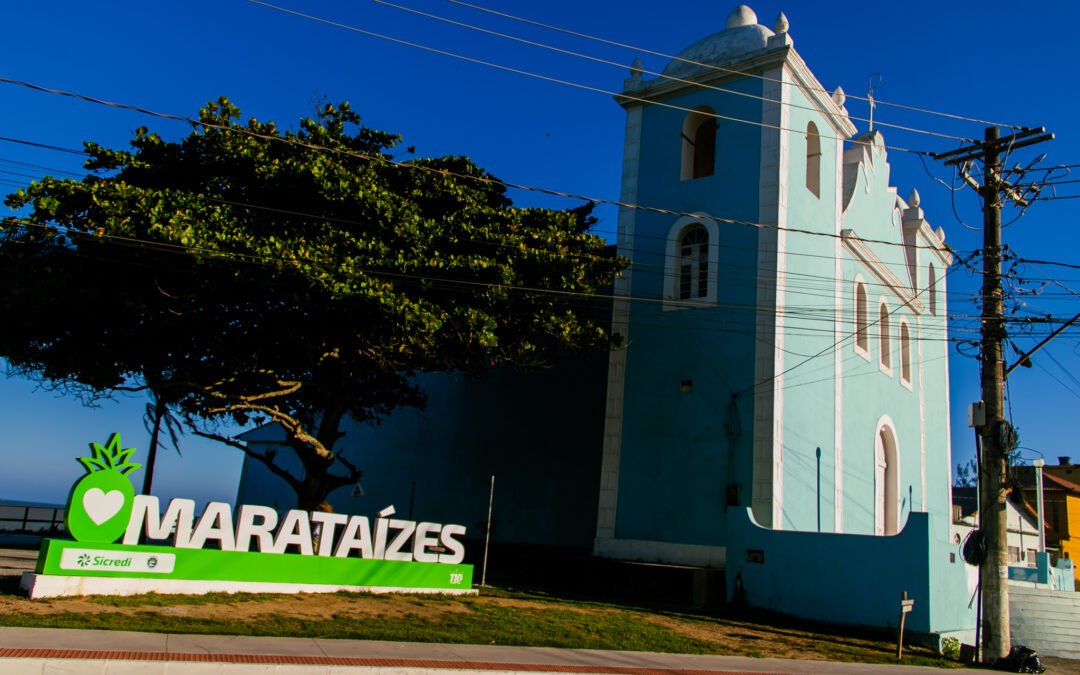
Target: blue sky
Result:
[[984, 60]]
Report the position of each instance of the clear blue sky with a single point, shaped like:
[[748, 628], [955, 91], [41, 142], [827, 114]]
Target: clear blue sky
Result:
[[987, 59]]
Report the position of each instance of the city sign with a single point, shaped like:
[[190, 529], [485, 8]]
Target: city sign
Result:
[[259, 550]]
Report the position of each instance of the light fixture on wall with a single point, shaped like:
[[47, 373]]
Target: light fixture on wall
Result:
[[686, 386]]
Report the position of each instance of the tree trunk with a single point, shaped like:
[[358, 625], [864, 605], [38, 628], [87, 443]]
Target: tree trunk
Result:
[[151, 453]]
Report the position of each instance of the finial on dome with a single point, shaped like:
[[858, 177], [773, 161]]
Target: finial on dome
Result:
[[636, 68], [741, 16], [781, 25], [913, 199], [839, 97]]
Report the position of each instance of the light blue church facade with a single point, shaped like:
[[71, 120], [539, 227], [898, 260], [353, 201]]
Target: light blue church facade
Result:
[[779, 409], [787, 359]]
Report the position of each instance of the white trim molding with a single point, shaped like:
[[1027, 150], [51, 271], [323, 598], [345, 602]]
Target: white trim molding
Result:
[[662, 552], [767, 464], [839, 333], [887, 277], [620, 323]]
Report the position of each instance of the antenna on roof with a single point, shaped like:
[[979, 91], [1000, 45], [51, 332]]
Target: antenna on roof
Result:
[[870, 97]]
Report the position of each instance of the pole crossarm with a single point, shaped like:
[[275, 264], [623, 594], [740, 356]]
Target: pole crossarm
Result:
[[1027, 355], [1001, 143]]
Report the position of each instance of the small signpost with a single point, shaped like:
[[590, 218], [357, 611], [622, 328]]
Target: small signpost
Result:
[[905, 607]]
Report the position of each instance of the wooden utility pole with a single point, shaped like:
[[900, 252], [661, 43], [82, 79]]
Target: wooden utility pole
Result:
[[995, 432], [992, 505]]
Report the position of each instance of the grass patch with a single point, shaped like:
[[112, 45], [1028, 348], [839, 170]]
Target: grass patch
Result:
[[171, 600], [500, 616]]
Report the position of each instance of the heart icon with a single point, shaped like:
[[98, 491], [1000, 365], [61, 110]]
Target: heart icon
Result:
[[100, 505]]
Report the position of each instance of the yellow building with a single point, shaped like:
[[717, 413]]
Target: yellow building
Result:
[[1061, 501]]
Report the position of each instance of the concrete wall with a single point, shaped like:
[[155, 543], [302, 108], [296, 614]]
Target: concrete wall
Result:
[[1046, 621], [852, 579], [539, 434], [1042, 575]]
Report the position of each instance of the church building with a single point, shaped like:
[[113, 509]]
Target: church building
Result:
[[779, 408]]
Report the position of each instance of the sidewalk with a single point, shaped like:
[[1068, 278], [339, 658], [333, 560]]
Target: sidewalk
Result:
[[43, 650]]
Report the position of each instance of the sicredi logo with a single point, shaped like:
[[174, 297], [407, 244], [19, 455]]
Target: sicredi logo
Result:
[[103, 506], [84, 559]]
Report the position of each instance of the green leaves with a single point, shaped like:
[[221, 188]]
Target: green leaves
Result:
[[221, 268], [109, 457]]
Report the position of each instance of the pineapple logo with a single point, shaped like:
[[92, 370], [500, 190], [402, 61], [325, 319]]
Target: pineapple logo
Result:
[[100, 503]]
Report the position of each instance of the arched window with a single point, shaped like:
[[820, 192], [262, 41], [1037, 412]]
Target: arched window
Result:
[[862, 337], [691, 259], [694, 264], [886, 481], [699, 144], [905, 353], [813, 159], [883, 335], [931, 290]]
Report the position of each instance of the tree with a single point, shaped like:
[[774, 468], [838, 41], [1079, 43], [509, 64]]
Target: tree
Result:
[[967, 474], [244, 274]]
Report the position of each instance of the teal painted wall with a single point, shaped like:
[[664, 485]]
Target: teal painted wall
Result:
[[851, 579], [674, 461], [871, 392], [808, 325]]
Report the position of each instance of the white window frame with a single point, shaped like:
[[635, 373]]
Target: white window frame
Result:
[[673, 262], [691, 124], [813, 159], [906, 361], [886, 519], [884, 331], [863, 351], [931, 289]]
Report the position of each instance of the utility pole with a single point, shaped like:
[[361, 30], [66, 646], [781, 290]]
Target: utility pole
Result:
[[995, 432]]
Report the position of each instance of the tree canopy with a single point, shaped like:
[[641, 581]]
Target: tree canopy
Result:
[[249, 274]]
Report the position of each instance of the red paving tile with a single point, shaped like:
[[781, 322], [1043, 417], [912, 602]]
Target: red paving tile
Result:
[[285, 659]]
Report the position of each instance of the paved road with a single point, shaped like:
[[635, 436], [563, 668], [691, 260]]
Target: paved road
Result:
[[43, 650], [13, 562]]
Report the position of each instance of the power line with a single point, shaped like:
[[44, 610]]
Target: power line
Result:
[[718, 68], [42, 145], [420, 167], [672, 78], [182, 249], [1054, 198], [43, 168], [555, 80], [664, 268], [837, 344]]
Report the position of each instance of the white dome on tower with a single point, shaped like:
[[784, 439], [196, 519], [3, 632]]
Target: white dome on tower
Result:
[[742, 36], [741, 16]]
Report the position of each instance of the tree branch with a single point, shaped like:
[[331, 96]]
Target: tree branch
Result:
[[292, 427], [355, 474], [281, 473]]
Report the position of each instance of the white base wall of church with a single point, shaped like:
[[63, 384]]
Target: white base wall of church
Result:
[[661, 552]]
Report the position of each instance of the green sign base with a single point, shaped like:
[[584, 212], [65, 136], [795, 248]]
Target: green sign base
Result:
[[73, 568]]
